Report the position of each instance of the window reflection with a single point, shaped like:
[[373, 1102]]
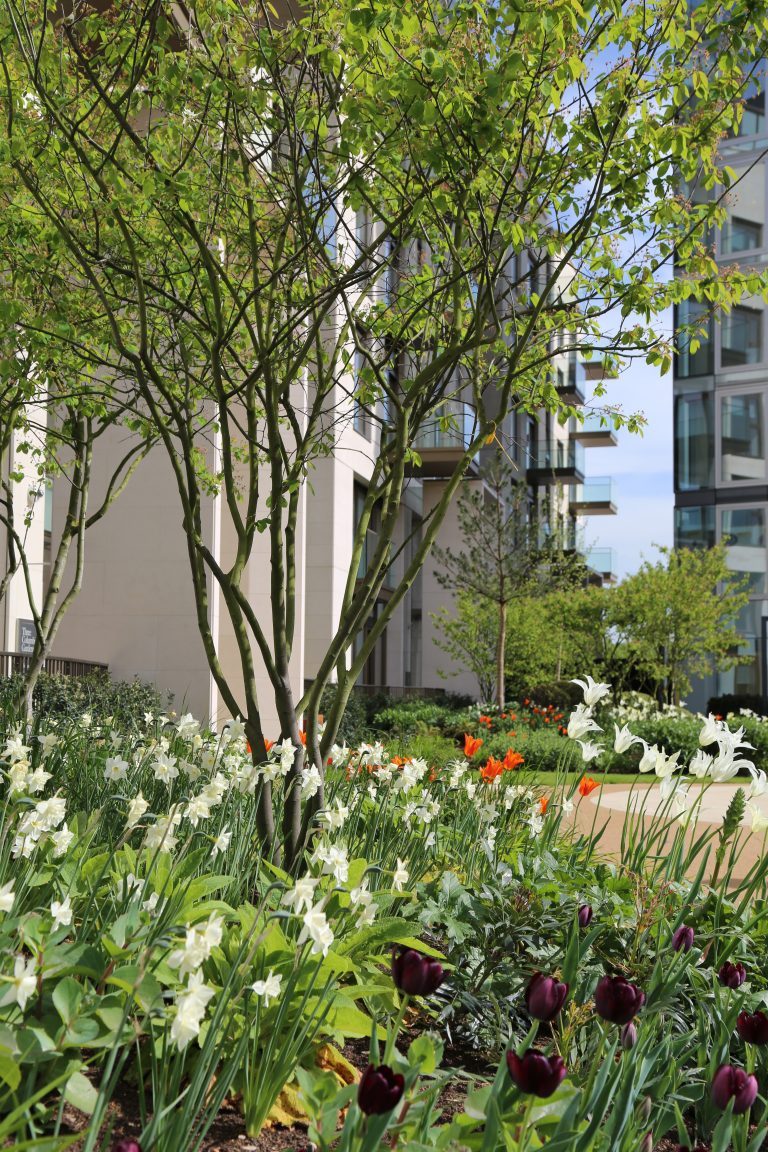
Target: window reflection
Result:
[[744, 531], [743, 230], [694, 442], [741, 438], [742, 337]]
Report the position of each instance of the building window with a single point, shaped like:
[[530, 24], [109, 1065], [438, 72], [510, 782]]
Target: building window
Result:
[[742, 337], [361, 420], [694, 442], [753, 116], [743, 529], [695, 527], [694, 352], [742, 454], [743, 230]]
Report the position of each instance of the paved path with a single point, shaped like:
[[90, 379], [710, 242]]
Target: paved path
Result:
[[608, 806]]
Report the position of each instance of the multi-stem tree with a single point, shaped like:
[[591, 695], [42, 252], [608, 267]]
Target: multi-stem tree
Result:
[[515, 170]]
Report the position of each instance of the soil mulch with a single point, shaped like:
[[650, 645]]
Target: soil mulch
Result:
[[228, 1134]]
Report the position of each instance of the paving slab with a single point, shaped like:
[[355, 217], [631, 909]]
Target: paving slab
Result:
[[608, 805]]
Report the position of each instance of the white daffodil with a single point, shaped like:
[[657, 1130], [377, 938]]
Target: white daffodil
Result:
[[165, 768], [222, 842], [115, 769], [624, 739], [15, 749], [37, 780], [48, 740], [61, 840], [187, 726], [300, 897], [317, 929], [190, 1010], [136, 809], [593, 693], [61, 912], [580, 722], [338, 755], [337, 816], [268, 989], [400, 877], [311, 782], [589, 751], [23, 983], [7, 897]]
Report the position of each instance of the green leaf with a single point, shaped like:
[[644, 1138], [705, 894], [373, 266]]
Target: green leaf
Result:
[[80, 1093]]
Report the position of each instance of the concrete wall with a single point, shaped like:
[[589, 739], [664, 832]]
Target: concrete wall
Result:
[[136, 609], [28, 497]]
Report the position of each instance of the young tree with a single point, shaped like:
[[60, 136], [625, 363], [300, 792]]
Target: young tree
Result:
[[511, 555], [681, 616], [192, 189]]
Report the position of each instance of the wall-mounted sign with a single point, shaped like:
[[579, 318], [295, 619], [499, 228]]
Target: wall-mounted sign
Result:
[[25, 643]]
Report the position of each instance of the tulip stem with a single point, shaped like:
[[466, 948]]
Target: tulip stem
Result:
[[394, 1031], [525, 1125]]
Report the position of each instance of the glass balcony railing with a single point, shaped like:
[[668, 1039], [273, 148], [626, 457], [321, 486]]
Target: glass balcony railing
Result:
[[596, 491], [602, 560], [451, 426], [557, 456]]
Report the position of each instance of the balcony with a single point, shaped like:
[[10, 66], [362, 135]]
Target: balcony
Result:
[[603, 562], [595, 432], [570, 384], [557, 460], [594, 498], [442, 440]]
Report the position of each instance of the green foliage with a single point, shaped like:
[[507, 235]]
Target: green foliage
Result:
[[124, 702]]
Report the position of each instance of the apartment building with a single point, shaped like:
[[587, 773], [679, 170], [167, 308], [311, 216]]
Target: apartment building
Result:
[[721, 408]]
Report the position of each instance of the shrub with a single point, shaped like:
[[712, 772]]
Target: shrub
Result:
[[57, 697]]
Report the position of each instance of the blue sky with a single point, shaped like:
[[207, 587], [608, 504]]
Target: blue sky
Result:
[[641, 467]]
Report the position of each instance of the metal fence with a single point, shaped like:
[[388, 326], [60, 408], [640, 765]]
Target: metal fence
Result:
[[16, 664]]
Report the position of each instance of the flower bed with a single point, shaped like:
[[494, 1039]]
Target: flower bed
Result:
[[147, 948]]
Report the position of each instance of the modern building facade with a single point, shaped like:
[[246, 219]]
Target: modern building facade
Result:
[[721, 408]]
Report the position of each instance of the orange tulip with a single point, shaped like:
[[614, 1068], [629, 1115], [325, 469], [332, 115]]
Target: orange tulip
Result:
[[471, 744], [491, 770], [267, 744], [543, 802], [587, 785], [512, 760], [303, 738]]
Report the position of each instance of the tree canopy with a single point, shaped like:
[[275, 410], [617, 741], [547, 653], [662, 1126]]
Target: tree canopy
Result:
[[247, 227]]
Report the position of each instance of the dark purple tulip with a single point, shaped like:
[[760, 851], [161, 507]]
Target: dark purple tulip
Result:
[[753, 1028], [628, 1036], [617, 1000], [682, 938], [536, 1074], [734, 1083], [732, 975], [380, 1089], [585, 915], [544, 997], [126, 1146], [416, 974]]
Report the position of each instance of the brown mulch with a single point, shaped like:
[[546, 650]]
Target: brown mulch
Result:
[[227, 1133]]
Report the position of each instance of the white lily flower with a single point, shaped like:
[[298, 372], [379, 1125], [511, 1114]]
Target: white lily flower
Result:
[[593, 693], [624, 739], [580, 722], [759, 819], [648, 759], [589, 751], [759, 783], [701, 764], [711, 731], [666, 765]]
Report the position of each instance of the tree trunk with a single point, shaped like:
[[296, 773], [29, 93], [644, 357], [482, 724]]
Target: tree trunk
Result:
[[501, 653]]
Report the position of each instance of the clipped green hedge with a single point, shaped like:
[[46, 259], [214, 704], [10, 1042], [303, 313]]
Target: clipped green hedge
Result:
[[122, 702]]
